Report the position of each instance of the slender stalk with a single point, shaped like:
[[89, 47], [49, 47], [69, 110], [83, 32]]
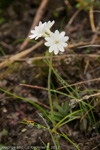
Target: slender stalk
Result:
[[50, 100], [66, 137], [49, 90]]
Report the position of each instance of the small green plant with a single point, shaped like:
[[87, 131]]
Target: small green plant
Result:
[[62, 111], [62, 114]]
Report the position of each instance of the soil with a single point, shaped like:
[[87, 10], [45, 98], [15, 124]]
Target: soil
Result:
[[80, 64]]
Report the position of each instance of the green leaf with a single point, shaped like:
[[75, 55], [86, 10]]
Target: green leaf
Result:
[[2, 20], [57, 118], [66, 107], [78, 5], [5, 132], [59, 108]]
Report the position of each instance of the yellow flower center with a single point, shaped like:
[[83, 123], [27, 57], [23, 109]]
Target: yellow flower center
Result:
[[56, 42]]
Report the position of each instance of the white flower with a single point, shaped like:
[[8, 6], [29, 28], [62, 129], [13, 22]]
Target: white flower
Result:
[[41, 30], [38, 32], [56, 41], [48, 25]]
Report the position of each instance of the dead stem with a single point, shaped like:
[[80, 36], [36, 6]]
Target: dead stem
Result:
[[20, 55], [91, 16], [82, 82]]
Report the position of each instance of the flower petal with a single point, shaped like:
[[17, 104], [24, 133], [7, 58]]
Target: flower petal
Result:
[[55, 51], [51, 49], [41, 29], [60, 47], [32, 36], [47, 43], [47, 38], [66, 38], [62, 33]]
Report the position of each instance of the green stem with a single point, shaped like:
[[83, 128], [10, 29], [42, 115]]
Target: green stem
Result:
[[50, 100], [66, 137], [49, 89]]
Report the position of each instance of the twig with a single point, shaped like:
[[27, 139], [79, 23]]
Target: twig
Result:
[[96, 79], [96, 147], [87, 97], [86, 66], [36, 20], [89, 46], [5, 44], [67, 4], [92, 18], [34, 86], [95, 35], [78, 44], [74, 16], [20, 55], [59, 57]]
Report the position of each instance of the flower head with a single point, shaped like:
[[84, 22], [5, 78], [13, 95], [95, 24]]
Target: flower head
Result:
[[41, 30], [56, 41]]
